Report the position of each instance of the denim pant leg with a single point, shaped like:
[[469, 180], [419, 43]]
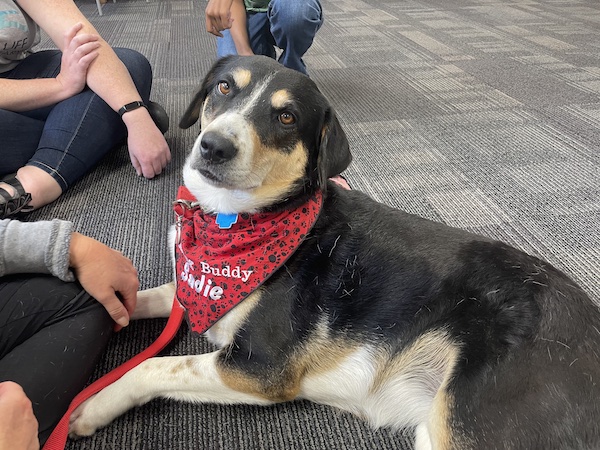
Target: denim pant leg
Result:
[[291, 26], [294, 25], [225, 45], [79, 131], [259, 35], [20, 136]]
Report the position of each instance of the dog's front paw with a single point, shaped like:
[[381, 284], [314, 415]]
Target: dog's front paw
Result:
[[101, 409], [96, 412], [83, 420]]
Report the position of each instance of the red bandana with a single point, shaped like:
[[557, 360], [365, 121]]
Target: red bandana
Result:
[[220, 259]]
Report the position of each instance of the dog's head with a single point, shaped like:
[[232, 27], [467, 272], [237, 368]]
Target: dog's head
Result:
[[267, 135]]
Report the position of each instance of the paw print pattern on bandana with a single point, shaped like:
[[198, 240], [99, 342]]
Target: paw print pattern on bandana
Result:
[[218, 268]]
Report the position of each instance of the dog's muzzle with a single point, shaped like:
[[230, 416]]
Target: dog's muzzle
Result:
[[216, 148]]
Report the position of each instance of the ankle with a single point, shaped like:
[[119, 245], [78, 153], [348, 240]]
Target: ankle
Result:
[[43, 188]]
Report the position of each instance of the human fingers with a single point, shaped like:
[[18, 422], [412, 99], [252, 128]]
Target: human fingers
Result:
[[105, 274], [212, 27], [81, 44], [128, 295], [218, 16], [84, 54], [87, 59], [147, 168], [120, 301], [135, 163], [158, 163], [117, 311], [18, 427], [162, 161], [76, 59], [70, 34], [153, 159], [84, 38]]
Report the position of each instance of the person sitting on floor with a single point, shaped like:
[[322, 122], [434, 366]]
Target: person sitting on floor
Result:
[[62, 110], [248, 27], [54, 329]]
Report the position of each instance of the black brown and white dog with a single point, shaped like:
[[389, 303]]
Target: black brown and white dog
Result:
[[400, 320]]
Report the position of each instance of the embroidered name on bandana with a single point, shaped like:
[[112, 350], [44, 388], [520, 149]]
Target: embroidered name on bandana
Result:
[[217, 268]]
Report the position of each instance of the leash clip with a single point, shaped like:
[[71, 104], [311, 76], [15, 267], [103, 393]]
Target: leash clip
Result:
[[179, 207], [186, 204]]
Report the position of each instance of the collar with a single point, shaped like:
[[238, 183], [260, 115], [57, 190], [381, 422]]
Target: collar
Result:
[[221, 259]]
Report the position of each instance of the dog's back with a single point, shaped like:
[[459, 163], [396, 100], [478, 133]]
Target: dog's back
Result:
[[407, 322]]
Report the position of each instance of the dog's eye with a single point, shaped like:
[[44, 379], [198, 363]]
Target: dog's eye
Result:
[[287, 118], [224, 87]]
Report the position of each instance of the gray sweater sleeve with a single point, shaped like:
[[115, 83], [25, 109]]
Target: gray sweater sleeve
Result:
[[36, 247]]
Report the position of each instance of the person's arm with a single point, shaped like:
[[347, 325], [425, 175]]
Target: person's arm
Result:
[[239, 30], [229, 15], [53, 247], [108, 77], [18, 426], [78, 53], [35, 247]]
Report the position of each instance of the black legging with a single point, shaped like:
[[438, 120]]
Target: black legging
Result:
[[52, 334]]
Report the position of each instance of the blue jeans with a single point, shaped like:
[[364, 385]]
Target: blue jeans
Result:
[[290, 25], [69, 138]]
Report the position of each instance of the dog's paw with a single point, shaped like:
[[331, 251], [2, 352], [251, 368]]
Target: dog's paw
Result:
[[81, 422], [101, 409], [96, 412], [154, 303]]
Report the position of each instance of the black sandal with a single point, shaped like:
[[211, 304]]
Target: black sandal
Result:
[[17, 202]]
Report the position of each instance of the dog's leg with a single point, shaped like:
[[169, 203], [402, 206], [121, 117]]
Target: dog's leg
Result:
[[154, 303], [187, 378], [422, 439]]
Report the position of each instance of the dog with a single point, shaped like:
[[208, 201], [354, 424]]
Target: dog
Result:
[[402, 321]]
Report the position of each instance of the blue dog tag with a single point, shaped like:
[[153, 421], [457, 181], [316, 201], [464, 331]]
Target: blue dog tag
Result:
[[225, 221]]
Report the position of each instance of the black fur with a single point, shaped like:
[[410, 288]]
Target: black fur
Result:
[[386, 277], [527, 374]]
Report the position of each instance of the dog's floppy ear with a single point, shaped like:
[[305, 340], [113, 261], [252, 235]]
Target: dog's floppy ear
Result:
[[192, 113], [334, 150]]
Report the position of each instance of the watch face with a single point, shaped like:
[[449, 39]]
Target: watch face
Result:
[[131, 106]]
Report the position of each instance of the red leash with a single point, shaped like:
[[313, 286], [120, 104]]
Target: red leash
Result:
[[58, 438]]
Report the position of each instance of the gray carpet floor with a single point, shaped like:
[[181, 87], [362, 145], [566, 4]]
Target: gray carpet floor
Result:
[[483, 114]]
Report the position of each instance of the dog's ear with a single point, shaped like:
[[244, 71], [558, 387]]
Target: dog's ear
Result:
[[334, 150], [192, 113]]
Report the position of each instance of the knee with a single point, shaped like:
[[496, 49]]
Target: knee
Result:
[[296, 17]]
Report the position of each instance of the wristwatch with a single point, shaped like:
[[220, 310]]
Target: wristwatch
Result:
[[131, 107]]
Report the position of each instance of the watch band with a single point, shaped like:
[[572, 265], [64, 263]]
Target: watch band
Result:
[[131, 107]]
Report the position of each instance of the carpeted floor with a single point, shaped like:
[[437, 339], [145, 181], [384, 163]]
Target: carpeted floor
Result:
[[483, 114]]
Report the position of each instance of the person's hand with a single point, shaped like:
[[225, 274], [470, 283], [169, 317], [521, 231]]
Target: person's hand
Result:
[[18, 426], [218, 16], [78, 53], [106, 275], [148, 149]]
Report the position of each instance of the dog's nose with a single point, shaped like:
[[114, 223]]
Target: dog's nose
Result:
[[216, 148]]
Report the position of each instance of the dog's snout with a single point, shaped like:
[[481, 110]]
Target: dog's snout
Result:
[[216, 148]]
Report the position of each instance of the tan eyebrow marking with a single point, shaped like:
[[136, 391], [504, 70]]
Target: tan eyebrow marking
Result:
[[242, 77], [280, 98]]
